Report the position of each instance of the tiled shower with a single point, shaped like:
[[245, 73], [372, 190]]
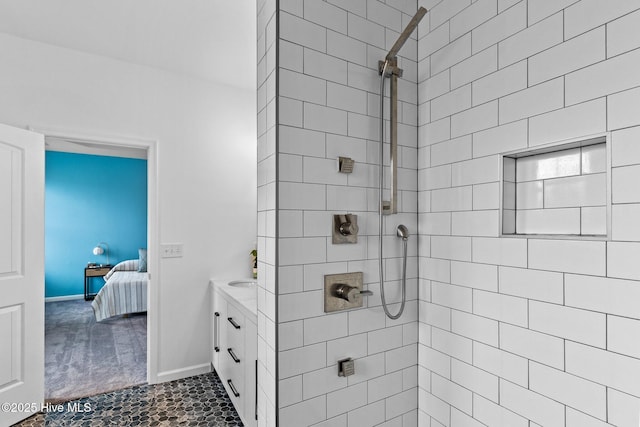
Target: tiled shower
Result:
[[523, 285]]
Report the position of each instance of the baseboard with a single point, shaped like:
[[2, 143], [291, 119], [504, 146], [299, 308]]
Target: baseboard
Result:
[[177, 374], [64, 298]]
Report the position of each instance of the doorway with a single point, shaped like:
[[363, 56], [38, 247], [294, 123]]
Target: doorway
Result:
[[122, 341]]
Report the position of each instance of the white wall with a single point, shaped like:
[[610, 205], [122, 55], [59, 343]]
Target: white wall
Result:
[[526, 331], [206, 168], [328, 105]]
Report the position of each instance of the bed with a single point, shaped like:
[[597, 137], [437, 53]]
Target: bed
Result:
[[124, 292]]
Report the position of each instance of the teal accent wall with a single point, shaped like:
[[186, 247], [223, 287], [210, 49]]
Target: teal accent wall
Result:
[[91, 199]]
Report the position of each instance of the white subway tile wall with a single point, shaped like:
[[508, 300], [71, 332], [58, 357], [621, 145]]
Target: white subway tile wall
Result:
[[520, 331], [328, 54], [499, 331]]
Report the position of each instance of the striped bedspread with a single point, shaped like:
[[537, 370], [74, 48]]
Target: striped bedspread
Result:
[[125, 292]]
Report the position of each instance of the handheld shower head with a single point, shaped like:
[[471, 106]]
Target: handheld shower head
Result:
[[402, 232]]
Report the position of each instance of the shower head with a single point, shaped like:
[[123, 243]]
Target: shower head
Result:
[[402, 232], [406, 33]]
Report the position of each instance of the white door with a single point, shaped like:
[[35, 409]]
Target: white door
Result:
[[21, 274]]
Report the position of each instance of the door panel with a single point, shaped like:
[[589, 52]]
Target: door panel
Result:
[[21, 273], [10, 229], [10, 355]]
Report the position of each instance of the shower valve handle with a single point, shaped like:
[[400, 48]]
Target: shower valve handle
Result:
[[348, 228], [349, 293]]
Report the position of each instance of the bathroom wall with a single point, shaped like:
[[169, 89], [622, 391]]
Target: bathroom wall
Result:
[[328, 106], [206, 195], [526, 331], [91, 199]]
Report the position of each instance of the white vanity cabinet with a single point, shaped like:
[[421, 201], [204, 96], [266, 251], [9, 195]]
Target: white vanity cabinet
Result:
[[234, 346]]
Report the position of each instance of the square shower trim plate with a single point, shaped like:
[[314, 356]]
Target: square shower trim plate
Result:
[[334, 303]]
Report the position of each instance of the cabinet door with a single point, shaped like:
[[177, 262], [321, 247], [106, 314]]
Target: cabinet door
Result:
[[218, 328], [250, 372]]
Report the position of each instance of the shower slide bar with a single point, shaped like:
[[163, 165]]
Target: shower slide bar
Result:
[[389, 68]]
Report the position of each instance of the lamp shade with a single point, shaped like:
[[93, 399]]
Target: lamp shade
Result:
[[102, 248]]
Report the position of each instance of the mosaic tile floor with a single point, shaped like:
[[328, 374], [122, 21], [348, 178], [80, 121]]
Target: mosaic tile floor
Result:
[[194, 401]]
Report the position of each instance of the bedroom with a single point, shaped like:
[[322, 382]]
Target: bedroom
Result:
[[95, 197]]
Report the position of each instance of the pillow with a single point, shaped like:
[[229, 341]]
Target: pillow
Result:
[[142, 260]]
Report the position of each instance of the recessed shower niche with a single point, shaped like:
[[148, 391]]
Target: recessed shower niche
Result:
[[559, 190]]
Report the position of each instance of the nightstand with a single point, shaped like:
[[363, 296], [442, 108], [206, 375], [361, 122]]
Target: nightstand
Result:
[[90, 272]]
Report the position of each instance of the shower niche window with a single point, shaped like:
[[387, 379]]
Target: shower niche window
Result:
[[560, 190]]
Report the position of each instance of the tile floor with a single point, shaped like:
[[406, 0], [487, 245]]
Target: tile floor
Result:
[[196, 401]]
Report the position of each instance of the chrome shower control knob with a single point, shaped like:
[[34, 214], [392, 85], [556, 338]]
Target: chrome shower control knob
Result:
[[348, 229], [344, 229], [347, 292]]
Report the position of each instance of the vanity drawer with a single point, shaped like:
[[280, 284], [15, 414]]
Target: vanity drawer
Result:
[[235, 318], [235, 386], [236, 326]]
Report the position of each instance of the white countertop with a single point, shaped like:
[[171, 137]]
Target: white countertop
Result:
[[246, 297]]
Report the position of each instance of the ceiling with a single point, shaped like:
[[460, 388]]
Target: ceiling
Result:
[[209, 39]]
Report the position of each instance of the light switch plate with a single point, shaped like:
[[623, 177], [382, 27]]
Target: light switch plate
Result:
[[171, 250]]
